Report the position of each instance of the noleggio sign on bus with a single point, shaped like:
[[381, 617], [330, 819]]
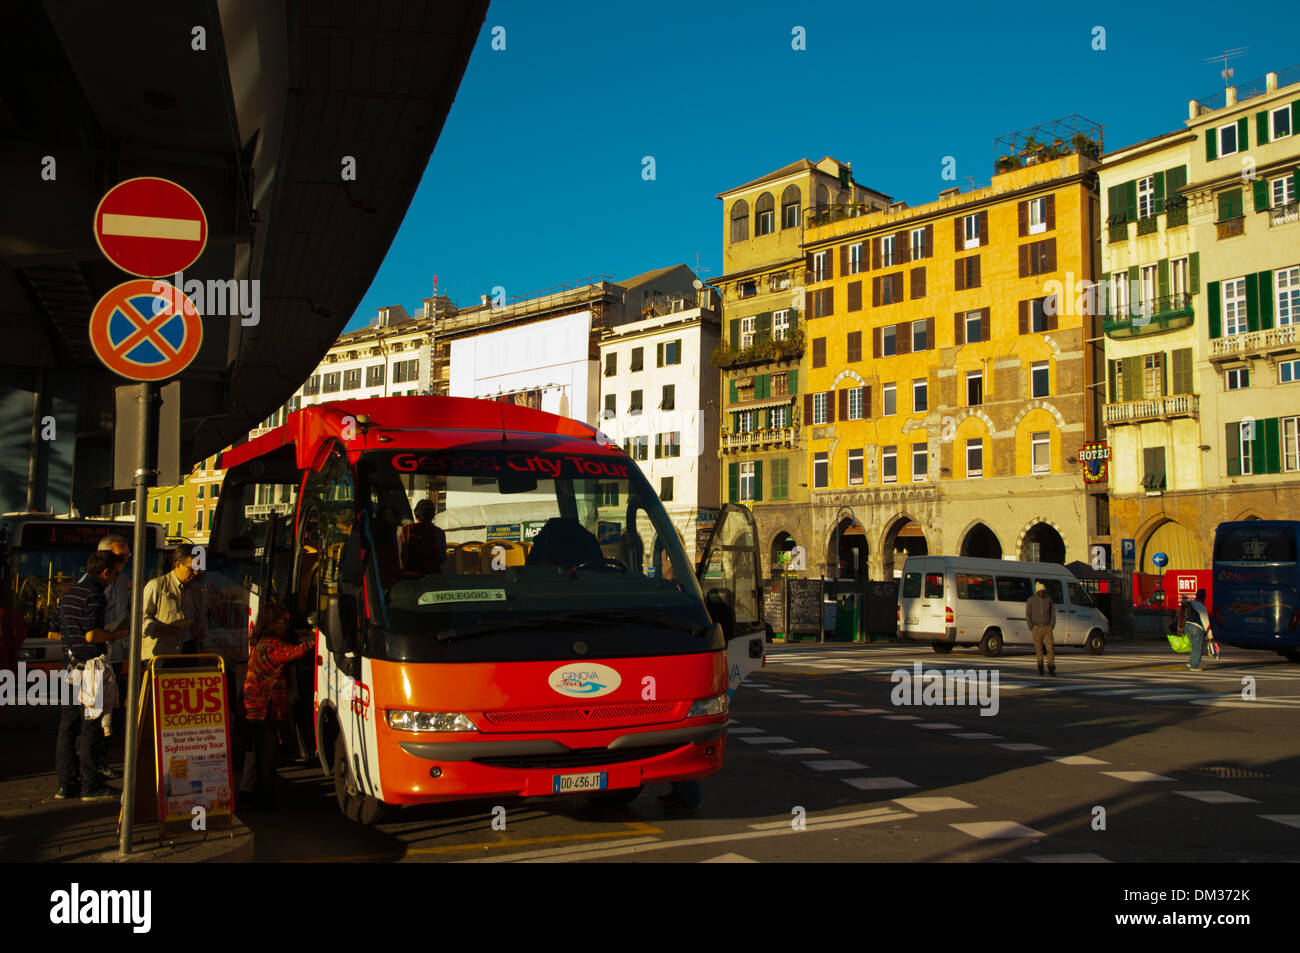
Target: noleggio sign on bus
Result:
[[553, 466]]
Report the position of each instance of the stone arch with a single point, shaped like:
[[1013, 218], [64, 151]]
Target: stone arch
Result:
[[890, 539], [1169, 535], [850, 374], [1030, 528], [846, 537], [1246, 514], [967, 544], [782, 541], [1038, 405]]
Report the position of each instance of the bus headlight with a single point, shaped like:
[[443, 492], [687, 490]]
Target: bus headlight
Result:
[[429, 721], [717, 705]]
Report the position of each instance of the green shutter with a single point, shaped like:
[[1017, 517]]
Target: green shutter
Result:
[[764, 420], [1114, 398], [794, 383], [1194, 272], [1162, 278], [758, 480], [1182, 361], [734, 396], [1265, 300], [1252, 302], [1261, 127], [1257, 457], [1164, 375], [763, 331], [1159, 181], [733, 482], [1261, 194], [1114, 200], [735, 336], [1232, 439], [1243, 134], [1132, 368], [794, 319], [1295, 116], [1211, 145], [1272, 453], [1215, 309], [1130, 201]]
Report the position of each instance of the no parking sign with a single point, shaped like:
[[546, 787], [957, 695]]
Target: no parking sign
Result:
[[146, 330]]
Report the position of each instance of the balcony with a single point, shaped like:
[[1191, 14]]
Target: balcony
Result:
[[782, 349], [1284, 214], [774, 438], [1284, 340], [1155, 408], [1232, 227], [1155, 317]]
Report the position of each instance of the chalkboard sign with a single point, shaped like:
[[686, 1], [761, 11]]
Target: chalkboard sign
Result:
[[774, 604], [804, 612]]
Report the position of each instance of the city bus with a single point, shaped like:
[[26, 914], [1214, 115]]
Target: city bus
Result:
[[1257, 586], [539, 631]]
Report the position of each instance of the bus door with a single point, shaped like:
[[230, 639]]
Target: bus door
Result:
[[730, 569]]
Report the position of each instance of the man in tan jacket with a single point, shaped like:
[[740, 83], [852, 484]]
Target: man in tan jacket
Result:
[[175, 608], [1040, 615]]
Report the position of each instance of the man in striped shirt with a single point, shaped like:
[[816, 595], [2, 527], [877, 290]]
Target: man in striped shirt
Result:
[[81, 622]]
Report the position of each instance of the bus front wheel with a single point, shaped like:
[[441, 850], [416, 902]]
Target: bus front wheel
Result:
[[355, 805]]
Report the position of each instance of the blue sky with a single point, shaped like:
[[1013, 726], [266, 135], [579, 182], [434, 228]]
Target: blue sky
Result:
[[537, 181]]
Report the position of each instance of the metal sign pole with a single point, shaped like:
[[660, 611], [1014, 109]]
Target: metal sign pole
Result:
[[143, 477]]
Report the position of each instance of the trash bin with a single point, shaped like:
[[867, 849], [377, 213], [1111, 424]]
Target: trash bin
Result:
[[846, 617]]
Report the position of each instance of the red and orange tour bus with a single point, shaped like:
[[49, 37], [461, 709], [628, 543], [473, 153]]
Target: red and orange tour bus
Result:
[[537, 630]]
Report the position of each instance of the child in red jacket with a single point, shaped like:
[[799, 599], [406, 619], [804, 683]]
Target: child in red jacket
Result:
[[266, 693]]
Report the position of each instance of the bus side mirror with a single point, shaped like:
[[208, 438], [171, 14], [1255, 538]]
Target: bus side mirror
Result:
[[720, 603], [341, 623]]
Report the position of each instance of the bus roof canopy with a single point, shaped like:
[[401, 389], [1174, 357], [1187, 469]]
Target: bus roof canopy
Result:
[[375, 423]]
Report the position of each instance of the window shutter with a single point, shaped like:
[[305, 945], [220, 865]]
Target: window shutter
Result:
[[1024, 261], [984, 228], [976, 282], [1179, 360], [898, 286], [1132, 283], [1261, 194], [1051, 212], [793, 386], [957, 234], [794, 319], [1159, 206], [918, 282], [875, 343], [875, 253], [1051, 255], [830, 263], [1054, 318], [903, 335], [1272, 455], [1022, 214], [1164, 374], [844, 403], [930, 343], [855, 296], [875, 292], [1232, 439], [733, 482], [984, 325], [854, 347], [866, 402], [758, 480], [763, 328], [1258, 458], [734, 396], [959, 274], [1130, 378], [1162, 278], [1130, 200], [764, 419], [1114, 202], [807, 408], [1194, 272], [927, 242], [844, 259], [1024, 317], [1252, 302], [808, 264], [958, 329], [830, 301], [1211, 145], [1261, 127], [830, 407], [761, 387], [1265, 300], [1114, 398], [903, 247], [1243, 134], [1215, 309], [735, 334]]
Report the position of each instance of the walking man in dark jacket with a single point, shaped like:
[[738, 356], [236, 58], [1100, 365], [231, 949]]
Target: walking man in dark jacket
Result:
[[1040, 614]]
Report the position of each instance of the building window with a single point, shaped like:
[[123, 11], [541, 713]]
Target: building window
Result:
[[1037, 215], [611, 405], [611, 364], [635, 406], [332, 380], [669, 399], [855, 468], [887, 251], [375, 375], [1119, 294], [819, 408], [855, 403], [1287, 283], [1178, 276], [821, 470], [638, 448], [779, 417], [1280, 123], [1290, 444], [889, 400], [823, 302], [920, 396], [748, 479], [790, 207], [889, 464], [1227, 139], [1040, 445], [638, 355], [974, 457], [1230, 205], [888, 341], [1146, 194], [746, 421], [1038, 322], [1153, 468], [974, 325], [968, 272], [352, 379], [1246, 441], [666, 489], [855, 259], [739, 221], [747, 327], [780, 489], [1288, 372], [668, 445], [1282, 190], [819, 352], [820, 261], [971, 230], [974, 388], [1234, 306], [312, 387], [167, 505], [199, 491], [1236, 379], [920, 341], [918, 244], [765, 215], [920, 463], [1153, 375], [747, 289], [668, 353], [1038, 380], [780, 325]]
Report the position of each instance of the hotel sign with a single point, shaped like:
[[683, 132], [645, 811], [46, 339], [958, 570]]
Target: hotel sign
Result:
[[1094, 457]]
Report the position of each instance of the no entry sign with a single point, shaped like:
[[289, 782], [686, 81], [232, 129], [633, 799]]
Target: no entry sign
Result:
[[146, 330], [150, 227]]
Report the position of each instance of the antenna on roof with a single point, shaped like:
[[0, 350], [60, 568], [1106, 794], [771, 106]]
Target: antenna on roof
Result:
[[1226, 55]]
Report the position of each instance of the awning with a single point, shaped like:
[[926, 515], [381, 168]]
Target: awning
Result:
[[782, 401]]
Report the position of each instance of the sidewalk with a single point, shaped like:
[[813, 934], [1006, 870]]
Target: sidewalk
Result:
[[35, 828]]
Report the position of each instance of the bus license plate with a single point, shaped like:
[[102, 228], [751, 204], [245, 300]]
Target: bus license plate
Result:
[[566, 783]]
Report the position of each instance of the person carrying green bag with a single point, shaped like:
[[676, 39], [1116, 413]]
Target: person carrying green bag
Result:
[[1194, 630]]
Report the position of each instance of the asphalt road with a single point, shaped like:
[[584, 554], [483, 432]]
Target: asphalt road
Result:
[[1123, 757]]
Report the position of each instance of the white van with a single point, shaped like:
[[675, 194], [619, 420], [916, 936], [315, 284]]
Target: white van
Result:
[[952, 600]]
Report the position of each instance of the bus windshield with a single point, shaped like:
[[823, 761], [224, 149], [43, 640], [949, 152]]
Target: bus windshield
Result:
[[526, 537], [1252, 544]]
